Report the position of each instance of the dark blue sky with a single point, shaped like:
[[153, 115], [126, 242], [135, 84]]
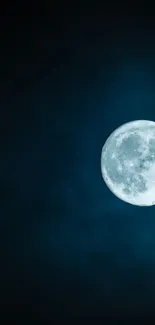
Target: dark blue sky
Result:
[[70, 248]]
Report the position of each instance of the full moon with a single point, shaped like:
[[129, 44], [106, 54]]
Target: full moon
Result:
[[128, 162]]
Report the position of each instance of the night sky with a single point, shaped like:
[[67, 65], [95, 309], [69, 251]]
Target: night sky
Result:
[[70, 249]]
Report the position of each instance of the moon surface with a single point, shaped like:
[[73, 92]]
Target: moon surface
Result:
[[128, 162]]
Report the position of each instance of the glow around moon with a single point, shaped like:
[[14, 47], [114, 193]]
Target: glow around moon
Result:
[[128, 162]]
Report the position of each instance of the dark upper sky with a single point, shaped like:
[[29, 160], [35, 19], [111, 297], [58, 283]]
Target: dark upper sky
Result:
[[69, 248]]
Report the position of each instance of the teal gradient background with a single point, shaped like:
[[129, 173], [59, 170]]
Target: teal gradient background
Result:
[[70, 250]]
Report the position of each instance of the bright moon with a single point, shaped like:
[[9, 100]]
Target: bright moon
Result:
[[128, 162]]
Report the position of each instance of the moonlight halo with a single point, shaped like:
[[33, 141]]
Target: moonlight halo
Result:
[[128, 162]]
